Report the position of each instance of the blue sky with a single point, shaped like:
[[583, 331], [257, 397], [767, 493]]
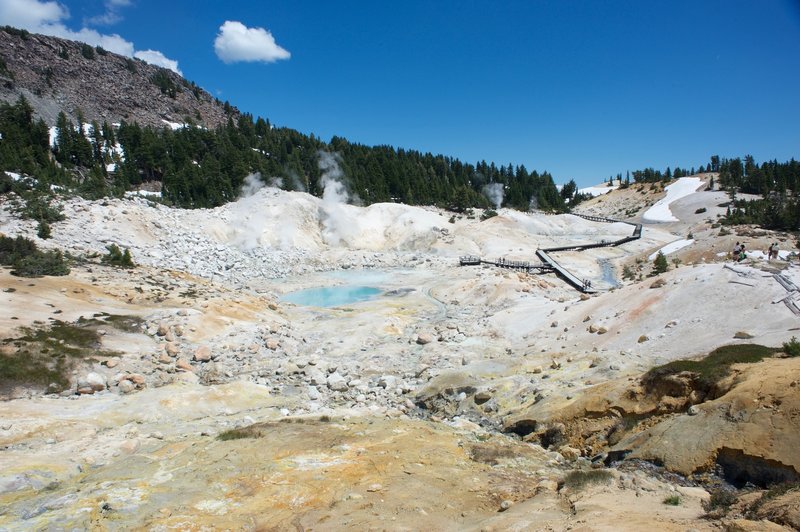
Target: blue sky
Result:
[[580, 89]]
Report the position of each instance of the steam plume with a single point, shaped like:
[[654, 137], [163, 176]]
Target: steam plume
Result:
[[494, 193]]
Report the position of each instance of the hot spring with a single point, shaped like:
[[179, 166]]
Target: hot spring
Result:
[[332, 296]]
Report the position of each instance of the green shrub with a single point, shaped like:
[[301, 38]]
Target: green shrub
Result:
[[714, 367], [43, 230], [116, 257], [12, 249], [792, 347], [577, 480], [672, 500], [488, 213], [237, 434], [660, 264], [41, 263], [87, 51], [721, 499]]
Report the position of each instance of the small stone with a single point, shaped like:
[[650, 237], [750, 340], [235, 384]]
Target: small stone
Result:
[[602, 330], [163, 329], [374, 487], [183, 364], [111, 363], [643, 338], [96, 382], [272, 306], [693, 410], [126, 386], [742, 335], [554, 324], [505, 505], [424, 338], [272, 344], [337, 383], [136, 379], [202, 354], [172, 349], [157, 435]]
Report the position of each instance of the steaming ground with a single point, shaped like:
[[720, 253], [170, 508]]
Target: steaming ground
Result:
[[220, 350]]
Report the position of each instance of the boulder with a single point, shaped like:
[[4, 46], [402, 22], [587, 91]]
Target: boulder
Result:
[[272, 344], [183, 364], [202, 354], [126, 386], [163, 329], [424, 338], [95, 381], [337, 383], [315, 376]]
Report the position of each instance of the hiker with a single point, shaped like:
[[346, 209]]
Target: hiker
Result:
[[736, 250], [769, 252], [775, 251], [742, 254]]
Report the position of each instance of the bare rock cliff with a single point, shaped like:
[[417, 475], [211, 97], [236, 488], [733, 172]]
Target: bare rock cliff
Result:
[[60, 75]]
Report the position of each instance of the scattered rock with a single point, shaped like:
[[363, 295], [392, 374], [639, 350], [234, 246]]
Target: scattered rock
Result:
[[126, 386], [742, 335], [96, 382], [272, 344], [163, 329], [643, 338], [505, 505], [424, 338], [202, 354], [658, 283], [337, 383], [183, 364]]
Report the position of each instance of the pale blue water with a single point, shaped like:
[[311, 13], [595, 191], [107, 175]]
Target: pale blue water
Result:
[[332, 296]]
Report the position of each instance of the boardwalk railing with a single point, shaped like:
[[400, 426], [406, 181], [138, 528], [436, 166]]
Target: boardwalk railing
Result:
[[549, 264]]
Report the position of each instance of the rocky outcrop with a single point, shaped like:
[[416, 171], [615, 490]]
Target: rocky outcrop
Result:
[[54, 75]]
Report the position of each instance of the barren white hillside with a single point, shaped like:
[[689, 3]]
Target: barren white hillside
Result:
[[361, 405]]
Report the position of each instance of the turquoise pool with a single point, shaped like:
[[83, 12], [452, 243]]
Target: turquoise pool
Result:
[[332, 296]]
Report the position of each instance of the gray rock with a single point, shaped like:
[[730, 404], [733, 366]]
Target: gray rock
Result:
[[95, 381], [337, 383]]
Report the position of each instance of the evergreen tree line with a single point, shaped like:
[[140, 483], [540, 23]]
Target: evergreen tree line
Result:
[[198, 167], [776, 183]]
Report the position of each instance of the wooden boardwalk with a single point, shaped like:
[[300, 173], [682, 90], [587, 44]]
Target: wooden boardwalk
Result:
[[549, 264]]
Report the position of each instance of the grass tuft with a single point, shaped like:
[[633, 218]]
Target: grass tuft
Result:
[[578, 480], [714, 367]]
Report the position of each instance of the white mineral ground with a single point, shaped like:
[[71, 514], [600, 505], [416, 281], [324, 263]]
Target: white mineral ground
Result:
[[332, 391]]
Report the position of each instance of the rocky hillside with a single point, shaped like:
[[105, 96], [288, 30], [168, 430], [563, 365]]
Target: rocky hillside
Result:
[[60, 75]]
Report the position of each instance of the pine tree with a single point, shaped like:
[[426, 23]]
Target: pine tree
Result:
[[660, 264]]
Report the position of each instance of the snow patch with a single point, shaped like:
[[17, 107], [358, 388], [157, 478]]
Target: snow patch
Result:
[[660, 212], [672, 247], [597, 190]]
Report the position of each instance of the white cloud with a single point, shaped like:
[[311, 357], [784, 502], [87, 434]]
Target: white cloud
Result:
[[31, 13], [155, 57], [112, 15], [236, 42], [48, 18]]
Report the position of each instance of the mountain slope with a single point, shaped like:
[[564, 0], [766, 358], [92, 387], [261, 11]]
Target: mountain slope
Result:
[[60, 75]]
